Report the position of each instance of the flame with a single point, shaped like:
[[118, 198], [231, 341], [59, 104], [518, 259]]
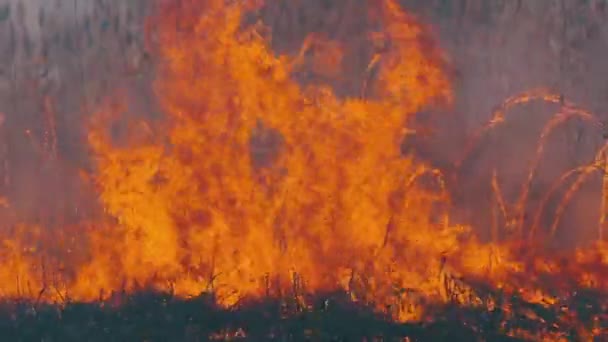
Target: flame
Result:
[[261, 177], [254, 182]]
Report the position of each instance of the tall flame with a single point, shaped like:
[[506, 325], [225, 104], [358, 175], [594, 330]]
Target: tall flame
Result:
[[261, 177]]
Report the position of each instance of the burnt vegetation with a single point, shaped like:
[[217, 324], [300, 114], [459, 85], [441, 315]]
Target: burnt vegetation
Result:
[[154, 316]]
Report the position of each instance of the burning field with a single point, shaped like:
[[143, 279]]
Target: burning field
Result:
[[280, 195]]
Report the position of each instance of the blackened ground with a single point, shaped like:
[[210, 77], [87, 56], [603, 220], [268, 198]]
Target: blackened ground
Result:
[[149, 316]]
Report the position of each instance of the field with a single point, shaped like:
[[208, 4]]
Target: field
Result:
[[194, 170]]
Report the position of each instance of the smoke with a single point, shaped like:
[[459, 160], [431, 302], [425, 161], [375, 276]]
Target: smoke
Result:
[[58, 61], [501, 48], [77, 52]]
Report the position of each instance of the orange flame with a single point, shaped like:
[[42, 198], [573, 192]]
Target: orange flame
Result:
[[263, 177]]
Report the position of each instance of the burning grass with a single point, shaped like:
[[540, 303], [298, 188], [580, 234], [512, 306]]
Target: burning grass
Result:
[[263, 194]]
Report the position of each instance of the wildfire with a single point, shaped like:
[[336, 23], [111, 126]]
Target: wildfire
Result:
[[254, 182], [264, 178]]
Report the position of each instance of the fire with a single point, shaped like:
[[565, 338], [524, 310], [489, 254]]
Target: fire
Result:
[[254, 182], [261, 177]]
